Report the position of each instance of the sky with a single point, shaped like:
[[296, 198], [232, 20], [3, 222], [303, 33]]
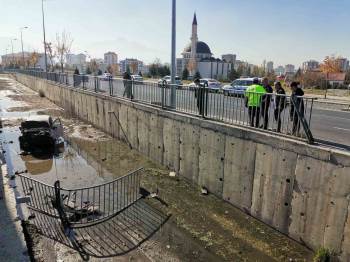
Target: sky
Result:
[[283, 31]]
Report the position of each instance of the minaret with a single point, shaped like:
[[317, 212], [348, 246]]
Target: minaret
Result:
[[194, 40]]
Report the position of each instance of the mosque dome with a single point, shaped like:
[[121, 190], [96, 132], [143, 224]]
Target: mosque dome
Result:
[[202, 48]]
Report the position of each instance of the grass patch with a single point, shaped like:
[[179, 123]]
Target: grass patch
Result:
[[323, 255]]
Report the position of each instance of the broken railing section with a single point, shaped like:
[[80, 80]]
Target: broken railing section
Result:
[[83, 206]]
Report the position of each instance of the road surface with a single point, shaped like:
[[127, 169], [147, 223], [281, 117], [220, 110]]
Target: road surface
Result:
[[326, 125]]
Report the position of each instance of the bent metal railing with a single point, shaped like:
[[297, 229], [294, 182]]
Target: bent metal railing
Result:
[[85, 206]]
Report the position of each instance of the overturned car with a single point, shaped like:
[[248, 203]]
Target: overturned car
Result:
[[41, 133]]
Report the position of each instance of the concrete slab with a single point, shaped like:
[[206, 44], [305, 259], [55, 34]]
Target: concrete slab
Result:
[[239, 159], [189, 152], [211, 161], [171, 140]]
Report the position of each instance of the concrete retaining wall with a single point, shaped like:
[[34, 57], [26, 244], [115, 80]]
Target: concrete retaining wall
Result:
[[299, 189]]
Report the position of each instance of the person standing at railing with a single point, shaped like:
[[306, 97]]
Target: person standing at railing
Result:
[[253, 99], [296, 106], [280, 103], [127, 85], [201, 93], [266, 100]]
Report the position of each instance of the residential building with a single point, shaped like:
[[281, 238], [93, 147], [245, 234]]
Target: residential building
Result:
[[310, 65], [17, 59], [197, 57], [76, 61], [280, 70], [269, 67], [110, 58], [336, 78], [135, 66], [229, 58], [344, 64], [289, 68]]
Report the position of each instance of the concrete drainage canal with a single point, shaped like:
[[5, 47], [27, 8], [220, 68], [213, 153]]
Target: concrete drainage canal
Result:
[[95, 198]]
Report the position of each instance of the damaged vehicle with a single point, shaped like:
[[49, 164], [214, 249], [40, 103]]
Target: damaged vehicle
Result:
[[41, 133]]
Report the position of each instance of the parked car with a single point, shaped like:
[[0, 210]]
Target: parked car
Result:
[[237, 87], [212, 84], [106, 77], [137, 78], [167, 80], [41, 132]]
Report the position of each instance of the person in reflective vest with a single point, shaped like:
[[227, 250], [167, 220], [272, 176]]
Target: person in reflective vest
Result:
[[253, 97]]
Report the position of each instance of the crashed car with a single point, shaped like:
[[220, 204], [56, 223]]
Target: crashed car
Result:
[[41, 133]]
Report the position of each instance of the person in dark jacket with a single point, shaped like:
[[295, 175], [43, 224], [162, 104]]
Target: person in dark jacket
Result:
[[296, 106], [266, 100], [127, 85], [280, 104], [201, 93]]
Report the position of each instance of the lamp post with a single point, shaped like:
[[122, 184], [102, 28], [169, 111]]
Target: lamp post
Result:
[[21, 29], [13, 55], [173, 54], [42, 11]]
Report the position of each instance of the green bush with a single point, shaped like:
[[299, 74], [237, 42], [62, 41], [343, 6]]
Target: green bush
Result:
[[323, 255]]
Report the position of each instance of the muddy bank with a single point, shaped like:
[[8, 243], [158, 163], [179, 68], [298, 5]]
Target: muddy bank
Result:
[[201, 227]]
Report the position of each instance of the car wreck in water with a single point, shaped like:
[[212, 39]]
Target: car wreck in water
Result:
[[40, 133]]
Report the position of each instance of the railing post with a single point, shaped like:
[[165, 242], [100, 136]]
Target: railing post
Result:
[[59, 206]]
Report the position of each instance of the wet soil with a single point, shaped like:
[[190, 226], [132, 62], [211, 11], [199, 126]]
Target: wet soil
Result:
[[201, 227]]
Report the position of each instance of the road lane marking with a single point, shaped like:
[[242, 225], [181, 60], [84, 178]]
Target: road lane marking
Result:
[[341, 128]]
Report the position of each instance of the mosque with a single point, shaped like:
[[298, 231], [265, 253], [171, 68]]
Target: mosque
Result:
[[197, 57]]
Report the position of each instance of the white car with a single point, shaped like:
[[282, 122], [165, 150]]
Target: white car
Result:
[[237, 87], [167, 80], [212, 84], [106, 76], [137, 78]]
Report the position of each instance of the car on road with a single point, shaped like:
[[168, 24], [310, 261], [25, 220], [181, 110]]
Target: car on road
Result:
[[106, 77], [237, 87], [167, 80], [41, 132], [137, 78], [212, 84]]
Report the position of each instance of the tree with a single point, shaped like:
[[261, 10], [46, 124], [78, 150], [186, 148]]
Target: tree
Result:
[[63, 46], [34, 57], [88, 71], [197, 75], [331, 64], [93, 66], [50, 54], [185, 74], [233, 75]]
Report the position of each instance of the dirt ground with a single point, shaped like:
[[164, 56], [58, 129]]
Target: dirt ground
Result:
[[201, 227]]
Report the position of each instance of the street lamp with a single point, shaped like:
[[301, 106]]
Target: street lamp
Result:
[[42, 11], [173, 54], [13, 55], [21, 29]]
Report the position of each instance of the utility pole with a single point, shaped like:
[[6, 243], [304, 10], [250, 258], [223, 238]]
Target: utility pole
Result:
[[42, 10], [22, 44], [173, 54], [13, 55]]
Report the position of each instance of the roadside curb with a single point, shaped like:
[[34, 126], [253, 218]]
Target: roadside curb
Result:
[[12, 240]]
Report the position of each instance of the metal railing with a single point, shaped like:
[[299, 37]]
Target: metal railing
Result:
[[282, 114], [83, 206]]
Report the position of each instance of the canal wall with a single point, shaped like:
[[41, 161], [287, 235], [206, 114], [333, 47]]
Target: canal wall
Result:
[[299, 189]]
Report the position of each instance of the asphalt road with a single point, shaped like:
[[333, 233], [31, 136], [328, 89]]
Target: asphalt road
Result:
[[326, 125]]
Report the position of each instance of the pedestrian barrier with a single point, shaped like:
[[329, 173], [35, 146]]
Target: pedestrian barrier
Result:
[[83, 206], [276, 113]]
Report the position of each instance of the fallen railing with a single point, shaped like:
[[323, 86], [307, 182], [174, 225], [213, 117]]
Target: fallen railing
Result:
[[84, 206]]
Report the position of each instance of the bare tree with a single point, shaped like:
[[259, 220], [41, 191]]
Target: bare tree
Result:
[[51, 54], [62, 47], [93, 66]]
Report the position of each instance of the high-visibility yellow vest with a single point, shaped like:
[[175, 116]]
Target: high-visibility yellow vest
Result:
[[254, 94]]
